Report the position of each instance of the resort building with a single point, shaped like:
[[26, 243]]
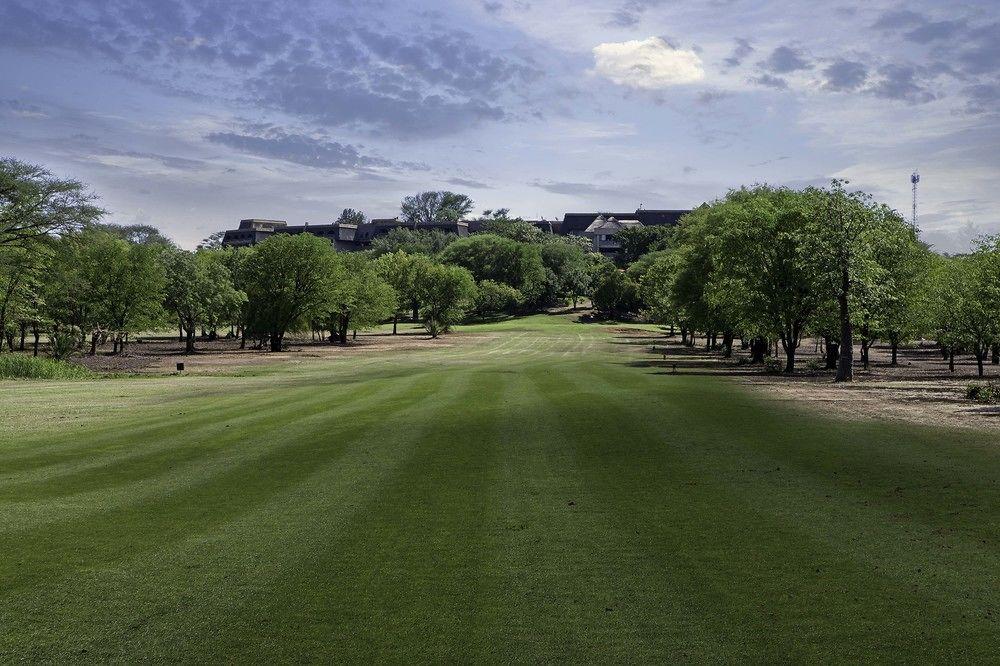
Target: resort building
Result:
[[599, 227]]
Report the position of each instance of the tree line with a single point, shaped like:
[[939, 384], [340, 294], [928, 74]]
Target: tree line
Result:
[[84, 284], [771, 266]]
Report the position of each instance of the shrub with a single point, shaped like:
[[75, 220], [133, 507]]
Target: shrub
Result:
[[773, 366], [814, 366], [988, 393], [64, 342], [20, 366], [496, 297]]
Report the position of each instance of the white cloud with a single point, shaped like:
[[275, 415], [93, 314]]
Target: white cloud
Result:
[[649, 64]]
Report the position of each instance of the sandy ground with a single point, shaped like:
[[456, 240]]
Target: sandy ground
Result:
[[920, 389]]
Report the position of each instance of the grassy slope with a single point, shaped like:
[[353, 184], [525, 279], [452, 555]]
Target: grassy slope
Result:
[[529, 497]]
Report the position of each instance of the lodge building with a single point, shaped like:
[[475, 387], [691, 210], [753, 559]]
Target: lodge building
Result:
[[600, 228]]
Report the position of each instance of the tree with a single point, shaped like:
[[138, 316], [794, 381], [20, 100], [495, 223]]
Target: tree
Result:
[[655, 283], [567, 272], [130, 287], [402, 272], [145, 234], [34, 204], [429, 207], [975, 298], [289, 281], [615, 295], [20, 274], [848, 231], [446, 294], [422, 241], [639, 240], [351, 216], [360, 298], [762, 281], [196, 290], [495, 298], [212, 241], [499, 223], [490, 257]]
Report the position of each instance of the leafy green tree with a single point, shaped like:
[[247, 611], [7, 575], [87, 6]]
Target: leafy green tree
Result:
[[422, 241], [360, 298], [212, 241], [20, 291], [34, 204], [567, 272], [847, 234], [496, 298], [145, 234], [402, 271], [428, 207], [976, 298], [655, 283], [197, 290], [762, 281], [132, 288], [615, 295], [640, 240], [490, 257], [351, 216], [499, 223], [289, 281], [446, 294]]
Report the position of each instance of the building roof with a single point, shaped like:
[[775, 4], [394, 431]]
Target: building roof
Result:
[[577, 223]]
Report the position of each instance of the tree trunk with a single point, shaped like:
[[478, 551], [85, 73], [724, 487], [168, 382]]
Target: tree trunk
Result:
[[416, 312], [93, 343], [895, 349], [944, 353], [684, 335], [37, 334], [24, 332], [865, 344], [951, 359], [727, 344], [832, 353], [344, 322], [189, 341], [276, 341], [980, 355], [395, 320], [758, 349], [994, 354], [845, 364]]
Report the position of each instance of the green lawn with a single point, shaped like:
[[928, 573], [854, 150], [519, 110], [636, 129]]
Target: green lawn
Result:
[[531, 496]]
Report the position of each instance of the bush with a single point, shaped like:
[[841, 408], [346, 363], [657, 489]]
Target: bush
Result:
[[773, 366], [496, 298], [815, 366], [64, 342], [20, 366], [988, 393]]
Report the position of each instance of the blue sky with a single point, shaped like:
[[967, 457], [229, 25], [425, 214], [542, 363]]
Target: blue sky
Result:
[[191, 115]]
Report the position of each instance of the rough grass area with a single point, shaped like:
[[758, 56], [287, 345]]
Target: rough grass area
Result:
[[22, 366], [537, 496]]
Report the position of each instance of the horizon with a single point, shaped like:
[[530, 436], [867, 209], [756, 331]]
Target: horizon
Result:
[[190, 117]]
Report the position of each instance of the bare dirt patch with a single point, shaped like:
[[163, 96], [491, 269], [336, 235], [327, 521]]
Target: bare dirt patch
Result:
[[159, 355], [919, 389]]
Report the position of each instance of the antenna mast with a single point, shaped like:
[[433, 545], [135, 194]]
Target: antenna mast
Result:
[[914, 179]]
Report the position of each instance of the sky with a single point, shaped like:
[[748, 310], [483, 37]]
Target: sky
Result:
[[191, 115]]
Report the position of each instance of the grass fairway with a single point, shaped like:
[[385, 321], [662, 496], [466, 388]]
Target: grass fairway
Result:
[[530, 496]]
